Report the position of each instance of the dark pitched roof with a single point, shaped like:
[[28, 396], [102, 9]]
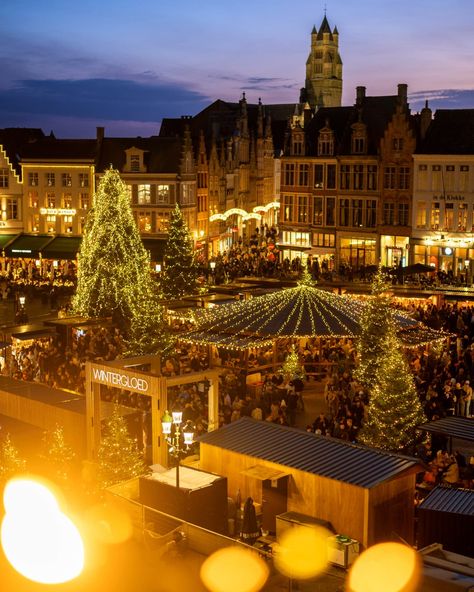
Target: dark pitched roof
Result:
[[455, 427], [450, 132], [339, 120], [219, 120], [449, 499], [55, 149], [319, 455], [161, 155], [324, 28], [14, 139]]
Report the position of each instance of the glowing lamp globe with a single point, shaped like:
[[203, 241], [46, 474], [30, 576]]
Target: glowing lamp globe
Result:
[[38, 539]]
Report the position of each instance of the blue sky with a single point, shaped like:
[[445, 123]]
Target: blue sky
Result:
[[70, 66]]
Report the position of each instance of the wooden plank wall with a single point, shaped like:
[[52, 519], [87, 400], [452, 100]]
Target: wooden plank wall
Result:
[[46, 417], [340, 503]]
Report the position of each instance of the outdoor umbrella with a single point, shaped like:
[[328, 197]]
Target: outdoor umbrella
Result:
[[417, 268], [249, 531]]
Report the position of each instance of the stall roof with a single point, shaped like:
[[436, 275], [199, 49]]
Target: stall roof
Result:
[[449, 499], [23, 332], [319, 455], [6, 239], [28, 245], [62, 247], [225, 340], [454, 427]]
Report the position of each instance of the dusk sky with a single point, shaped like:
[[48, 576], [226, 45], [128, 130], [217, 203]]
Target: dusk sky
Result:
[[71, 66]]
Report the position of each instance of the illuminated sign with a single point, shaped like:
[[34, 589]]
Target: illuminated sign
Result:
[[57, 212], [449, 197], [125, 381]]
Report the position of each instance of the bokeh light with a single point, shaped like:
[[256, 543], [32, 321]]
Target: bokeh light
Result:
[[391, 567], [38, 539], [302, 552], [233, 569]]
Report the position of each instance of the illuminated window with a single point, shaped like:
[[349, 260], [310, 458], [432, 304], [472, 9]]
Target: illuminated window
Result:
[[287, 207], [421, 214], [144, 194], [33, 199], [50, 200], [187, 194], [4, 178], [448, 216], [68, 224], [462, 217], [302, 202], [83, 180], [162, 221], [50, 224], [50, 179], [84, 201], [35, 223], [144, 221], [33, 179], [163, 193], [135, 163], [66, 179], [67, 200], [435, 216], [12, 209]]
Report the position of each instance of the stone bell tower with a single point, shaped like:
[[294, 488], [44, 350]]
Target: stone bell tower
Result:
[[323, 86]]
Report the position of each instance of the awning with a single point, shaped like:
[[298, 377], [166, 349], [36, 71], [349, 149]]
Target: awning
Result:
[[28, 245], [62, 247], [156, 248], [262, 473], [6, 239]]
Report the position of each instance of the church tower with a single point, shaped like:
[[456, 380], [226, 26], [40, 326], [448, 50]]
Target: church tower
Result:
[[323, 86]]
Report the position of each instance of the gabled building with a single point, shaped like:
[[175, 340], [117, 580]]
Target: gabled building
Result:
[[443, 212], [346, 183]]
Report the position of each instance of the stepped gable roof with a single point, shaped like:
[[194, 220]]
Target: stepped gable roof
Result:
[[219, 120], [450, 132], [15, 139], [320, 455], [161, 155], [51, 148]]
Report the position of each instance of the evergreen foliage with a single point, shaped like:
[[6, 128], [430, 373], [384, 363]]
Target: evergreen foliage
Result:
[[394, 408], [58, 455], [10, 462], [180, 270], [114, 277], [292, 368], [118, 455]]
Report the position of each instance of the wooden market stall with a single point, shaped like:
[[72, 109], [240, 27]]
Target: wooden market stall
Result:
[[365, 494]]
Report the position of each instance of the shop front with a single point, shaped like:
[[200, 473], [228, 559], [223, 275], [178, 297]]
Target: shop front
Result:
[[357, 252], [294, 244], [394, 250], [454, 257]]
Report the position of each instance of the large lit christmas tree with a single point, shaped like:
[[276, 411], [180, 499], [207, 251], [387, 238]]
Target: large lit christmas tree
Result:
[[180, 269], [11, 463], [114, 276], [376, 322], [292, 368], [118, 455], [394, 408]]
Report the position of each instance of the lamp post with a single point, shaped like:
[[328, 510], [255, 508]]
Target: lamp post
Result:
[[212, 265], [179, 438]]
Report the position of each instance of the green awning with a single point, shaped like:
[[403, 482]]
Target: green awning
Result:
[[28, 245], [62, 247], [6, 239], [156, 247]]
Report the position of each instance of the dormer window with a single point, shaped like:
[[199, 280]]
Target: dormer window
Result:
[[326, 142], [134, 161], [359, 138]]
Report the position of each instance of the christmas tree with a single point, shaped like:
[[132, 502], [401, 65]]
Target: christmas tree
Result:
[[114, 276], [10, 462], [292, 368], [118, 455], [180, 272], [376, 321], [58, 456], [394, 408]]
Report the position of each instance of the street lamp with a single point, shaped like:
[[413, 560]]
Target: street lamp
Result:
[[179, 438], [158, 267]]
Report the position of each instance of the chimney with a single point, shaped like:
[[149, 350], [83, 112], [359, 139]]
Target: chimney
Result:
[[360, 95], [425, 120], [402, 93], [100, 131]]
